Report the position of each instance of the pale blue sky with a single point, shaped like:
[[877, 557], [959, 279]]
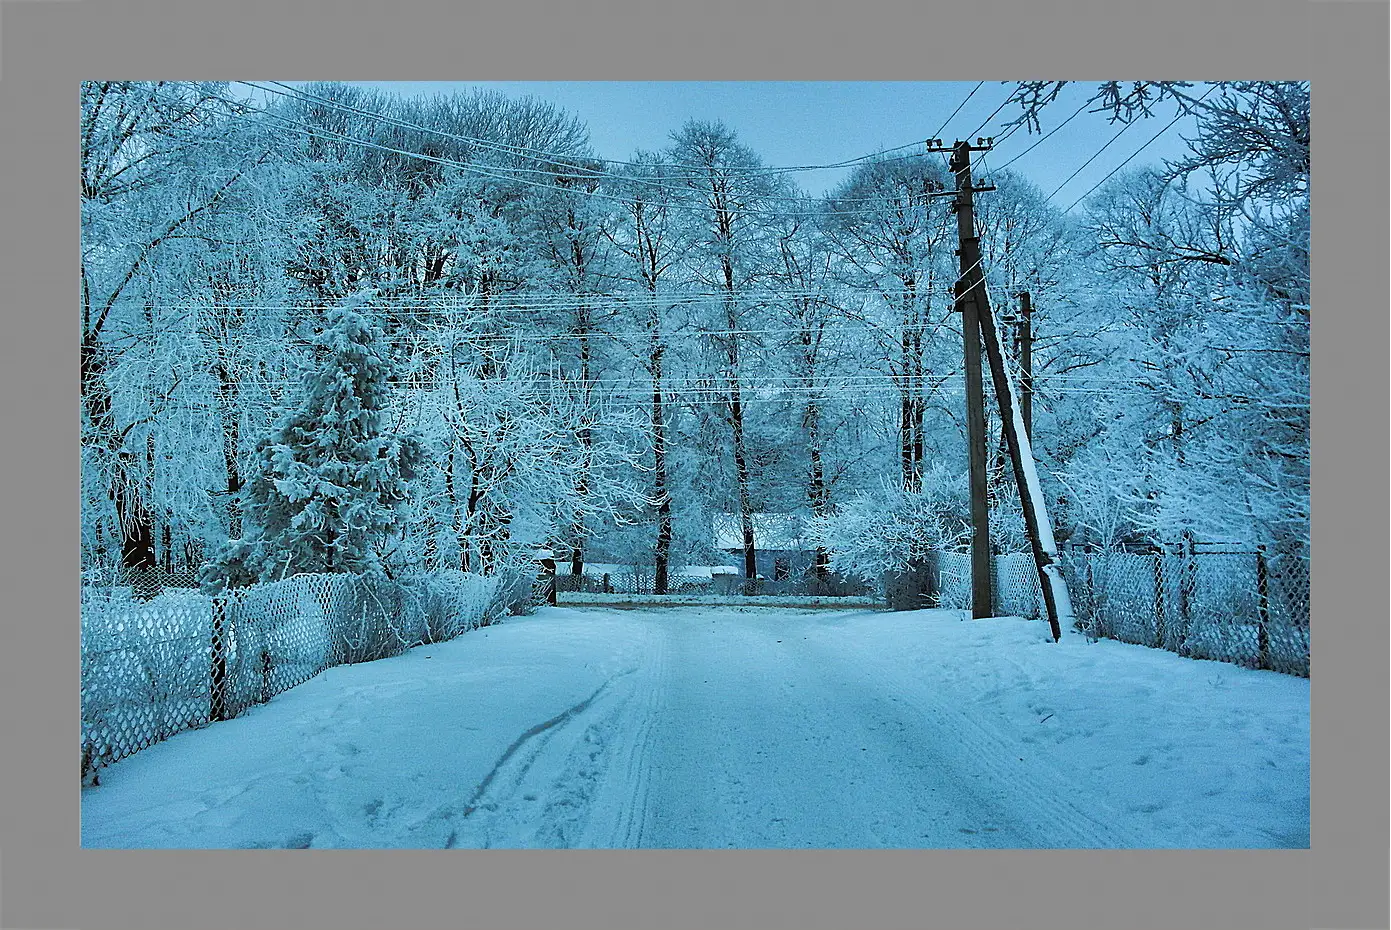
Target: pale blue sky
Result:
[[799, 123]]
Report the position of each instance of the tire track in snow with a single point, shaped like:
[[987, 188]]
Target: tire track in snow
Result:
[[754, 753], [620, 807], [532, 795], [777, 741], [561, 718]]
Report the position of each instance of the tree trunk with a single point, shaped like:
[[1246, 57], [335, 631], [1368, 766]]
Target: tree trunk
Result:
[[468, 540], [231, 438], [817, 491], [918, 410], [905, 434], [736, 422], [910, 390], [659, 471], [577, 529], [136, 523]]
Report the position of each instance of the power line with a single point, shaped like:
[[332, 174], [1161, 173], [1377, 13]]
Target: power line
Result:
[[947, 121], [541, 155], [1151, 139], [1107, 145], [1043, 138], [976, 132], [1094, 157], [475, 169], [750, 390]]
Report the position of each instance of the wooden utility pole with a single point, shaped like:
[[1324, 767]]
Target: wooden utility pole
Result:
[[978, 324], [969, 294], [1026, 362]]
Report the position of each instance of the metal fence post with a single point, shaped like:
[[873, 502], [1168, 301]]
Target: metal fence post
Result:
[[1262, 610], [1160, 633], [1095, 599], [931, 588], [218, 673], [1187, 588], [266, 666]]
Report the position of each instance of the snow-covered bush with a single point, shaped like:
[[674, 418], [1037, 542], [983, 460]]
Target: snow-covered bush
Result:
[[890, 528], [144, 669], [453, 602], [1008, 531]]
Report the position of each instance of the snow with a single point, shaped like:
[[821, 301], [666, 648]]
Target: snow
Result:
[[599, 569], [743, 727], [706, 571], [594, 569], [719, 600]]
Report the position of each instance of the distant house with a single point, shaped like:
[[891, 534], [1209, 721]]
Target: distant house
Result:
[[781, 551]]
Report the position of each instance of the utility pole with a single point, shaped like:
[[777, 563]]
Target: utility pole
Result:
[[978, 324], [1026, 362], [969, 293]]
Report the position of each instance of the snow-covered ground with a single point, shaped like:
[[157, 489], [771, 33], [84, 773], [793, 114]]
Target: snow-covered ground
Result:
[[576, 598], [738, 727], [685, 573]]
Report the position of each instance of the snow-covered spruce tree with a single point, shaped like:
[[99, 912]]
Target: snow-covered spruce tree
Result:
[[329, 483]]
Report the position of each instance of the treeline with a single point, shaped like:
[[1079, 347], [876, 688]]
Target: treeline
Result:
[[604, 357]]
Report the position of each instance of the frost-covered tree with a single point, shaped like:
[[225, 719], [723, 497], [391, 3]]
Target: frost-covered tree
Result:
[[570, 228], [645, 239], [602, 358], [723, 191], [890, 528], [818, 356], [330, 482], [891, 230], [156, 159]]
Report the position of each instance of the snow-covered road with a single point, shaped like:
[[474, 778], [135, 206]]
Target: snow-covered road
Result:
[[738, 727]]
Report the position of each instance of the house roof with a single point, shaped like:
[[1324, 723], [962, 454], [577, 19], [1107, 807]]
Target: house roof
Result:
[[771, 531]]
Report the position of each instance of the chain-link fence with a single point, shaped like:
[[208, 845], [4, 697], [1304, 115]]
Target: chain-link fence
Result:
[[153, 665], [144, 583], [1249, 607], [944, 580], [1014, 592]]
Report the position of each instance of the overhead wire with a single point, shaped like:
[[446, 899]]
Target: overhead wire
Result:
[[570, 160], [1044, 137], [976, 132], [946, 122], [492, 171], [1150, 141]]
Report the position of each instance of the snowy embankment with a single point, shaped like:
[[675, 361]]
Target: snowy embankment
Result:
[[744, 727]]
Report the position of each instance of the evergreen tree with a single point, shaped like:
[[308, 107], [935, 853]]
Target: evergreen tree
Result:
[[329, 483]]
